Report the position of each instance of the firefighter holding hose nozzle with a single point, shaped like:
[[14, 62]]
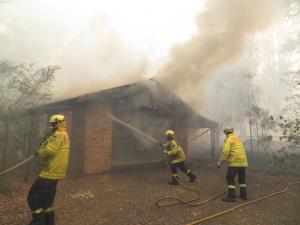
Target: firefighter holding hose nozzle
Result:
[[176, 152], [55, 153], [234, 153]]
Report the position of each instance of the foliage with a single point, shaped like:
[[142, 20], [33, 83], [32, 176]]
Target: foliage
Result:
[[289, 157], [286, 159], [290, 131], [264, 123], [23, 86], [291, 50], [262, 118], [289, 123]]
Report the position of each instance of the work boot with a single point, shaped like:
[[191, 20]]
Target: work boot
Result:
[[243, 193], [191, 176], [230, 195], [49, 218], [174, 181], [37, 219]]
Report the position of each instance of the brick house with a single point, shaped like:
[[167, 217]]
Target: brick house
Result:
[[99, 144]]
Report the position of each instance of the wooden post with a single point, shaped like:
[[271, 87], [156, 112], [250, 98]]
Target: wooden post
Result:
[[28, 146], [217, 138], [5, 145], [213, 142]]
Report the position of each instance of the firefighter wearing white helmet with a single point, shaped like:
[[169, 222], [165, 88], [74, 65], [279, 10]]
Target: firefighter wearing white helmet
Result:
[[234, 153], [55, 153], [177, 155]]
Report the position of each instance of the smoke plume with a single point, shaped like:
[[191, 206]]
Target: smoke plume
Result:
[[223, 29]]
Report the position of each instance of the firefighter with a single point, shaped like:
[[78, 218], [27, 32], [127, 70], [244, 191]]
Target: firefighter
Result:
[[234, 153], [54, 153], [177, 155]]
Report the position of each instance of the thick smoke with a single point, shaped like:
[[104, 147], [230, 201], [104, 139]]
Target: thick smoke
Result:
[[223, 29], [97, 58], [91, 54]]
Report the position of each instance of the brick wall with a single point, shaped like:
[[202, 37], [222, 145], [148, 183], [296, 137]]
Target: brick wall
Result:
[[97, 143], [128, 150], [76, 132], [97, 139]]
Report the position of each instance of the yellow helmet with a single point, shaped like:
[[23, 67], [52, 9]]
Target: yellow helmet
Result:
[[170, 133], [228, 130], [56, 119]]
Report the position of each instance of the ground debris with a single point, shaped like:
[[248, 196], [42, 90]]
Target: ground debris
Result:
[[128, 198], [83, 195]]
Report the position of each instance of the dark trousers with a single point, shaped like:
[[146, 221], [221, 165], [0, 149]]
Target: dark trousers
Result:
[[179, 165], [231, 174], [42, 194]]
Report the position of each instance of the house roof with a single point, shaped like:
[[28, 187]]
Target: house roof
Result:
[[149, 95]]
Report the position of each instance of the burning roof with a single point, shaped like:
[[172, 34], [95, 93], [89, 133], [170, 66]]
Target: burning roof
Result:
[[148, 95]]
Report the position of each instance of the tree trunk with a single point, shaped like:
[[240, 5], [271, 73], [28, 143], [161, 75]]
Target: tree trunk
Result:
[[5, 145], [251, 138], [257, 137]]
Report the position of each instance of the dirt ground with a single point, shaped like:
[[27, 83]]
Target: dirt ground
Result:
[[127, 197]]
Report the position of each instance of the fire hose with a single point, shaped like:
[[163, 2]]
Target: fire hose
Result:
[[25, 161], [189, 203], [165, 160], [17, 165], [245, 204], [179, 201]]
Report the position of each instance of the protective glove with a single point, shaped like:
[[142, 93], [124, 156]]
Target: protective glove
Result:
[[165, 151], [47, 133]]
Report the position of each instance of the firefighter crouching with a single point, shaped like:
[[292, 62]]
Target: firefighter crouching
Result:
[[177, 155], [55, 153], [234, 153]]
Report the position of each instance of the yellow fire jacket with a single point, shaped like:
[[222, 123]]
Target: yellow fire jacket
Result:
[[175, 151], [234, 152], [55, 154]]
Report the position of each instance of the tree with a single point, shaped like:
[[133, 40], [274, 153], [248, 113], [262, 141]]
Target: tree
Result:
[[22, 86], [289, 157], [291, 49], [264, 123]]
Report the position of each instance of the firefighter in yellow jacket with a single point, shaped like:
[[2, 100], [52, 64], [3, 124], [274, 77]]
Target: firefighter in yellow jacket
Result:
[[55, 153], [234, 153], [177, 155]]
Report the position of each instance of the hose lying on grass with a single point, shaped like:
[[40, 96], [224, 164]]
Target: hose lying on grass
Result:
[[189, 202], [245, 204]]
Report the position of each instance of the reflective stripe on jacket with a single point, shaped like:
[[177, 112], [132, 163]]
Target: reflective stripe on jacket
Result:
[[175, 151], [55, 153], [234, 152]]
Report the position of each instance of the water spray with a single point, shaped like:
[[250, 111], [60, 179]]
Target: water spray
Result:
[[132, 128]]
